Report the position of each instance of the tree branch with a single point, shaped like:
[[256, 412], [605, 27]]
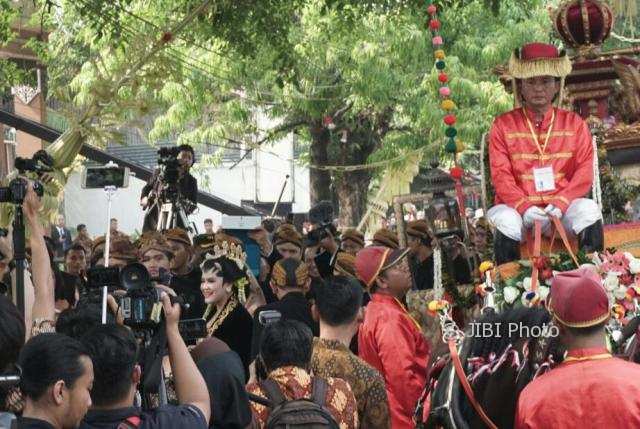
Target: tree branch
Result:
[[277, 130]]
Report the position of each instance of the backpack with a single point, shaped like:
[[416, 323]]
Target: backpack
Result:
[[298, 413]]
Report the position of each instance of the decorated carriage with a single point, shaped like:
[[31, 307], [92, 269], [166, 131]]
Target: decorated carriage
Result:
[[477, 383]]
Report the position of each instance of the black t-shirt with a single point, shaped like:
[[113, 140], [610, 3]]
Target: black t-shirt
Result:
[[28, 423], [165, 417]]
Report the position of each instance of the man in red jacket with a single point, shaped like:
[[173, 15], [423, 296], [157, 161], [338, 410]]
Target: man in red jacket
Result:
[[541, 158], [389, 339], [590, 388]]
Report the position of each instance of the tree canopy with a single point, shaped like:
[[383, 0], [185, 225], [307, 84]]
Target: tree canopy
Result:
[[353, 79]]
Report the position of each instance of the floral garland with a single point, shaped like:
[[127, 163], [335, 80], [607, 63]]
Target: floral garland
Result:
[[620, 273]]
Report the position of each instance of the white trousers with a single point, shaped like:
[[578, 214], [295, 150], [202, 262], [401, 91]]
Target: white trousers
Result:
[[581, 213]]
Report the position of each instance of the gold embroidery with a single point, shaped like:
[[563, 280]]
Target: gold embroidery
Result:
[[530, 176], [215, 322], [518, 135], [543, 157]]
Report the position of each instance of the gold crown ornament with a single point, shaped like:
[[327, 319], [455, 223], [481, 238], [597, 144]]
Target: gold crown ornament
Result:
[[230, 250]]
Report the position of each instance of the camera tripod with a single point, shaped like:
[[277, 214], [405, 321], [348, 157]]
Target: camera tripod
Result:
[[172, 215]]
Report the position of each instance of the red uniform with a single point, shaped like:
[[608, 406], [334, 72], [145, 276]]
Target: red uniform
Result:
[[514, 155], [392, 342], [592, 390]]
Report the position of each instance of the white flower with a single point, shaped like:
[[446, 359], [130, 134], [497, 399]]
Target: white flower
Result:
[[526, 283], [620, 292], [634, 266], [611, 282], [510, 294], [591, 267], [543, 291], [629, 256]]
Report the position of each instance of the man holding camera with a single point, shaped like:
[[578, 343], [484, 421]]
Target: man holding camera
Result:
[[114, 350], [187, 187]]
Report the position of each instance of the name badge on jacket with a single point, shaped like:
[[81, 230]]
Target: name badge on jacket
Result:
[[543, 179]]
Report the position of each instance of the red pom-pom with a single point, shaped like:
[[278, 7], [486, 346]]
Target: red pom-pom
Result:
[[434, 24], [432, 9], [443, 78], [456, 172], [450, 119]]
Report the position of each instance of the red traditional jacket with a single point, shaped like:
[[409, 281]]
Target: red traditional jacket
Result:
[[592, 390], [391, 341], [514, 154]]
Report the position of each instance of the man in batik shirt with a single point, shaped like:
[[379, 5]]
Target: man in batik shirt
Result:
[[338, 306], [285, 352]]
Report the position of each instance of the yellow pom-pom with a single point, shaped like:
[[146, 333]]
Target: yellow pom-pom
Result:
[[448, 105], [433, 306], [485, 266], [459, 146], [439, 54]]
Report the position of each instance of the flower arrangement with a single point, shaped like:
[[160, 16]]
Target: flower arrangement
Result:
[[514, 284], [620, 272]]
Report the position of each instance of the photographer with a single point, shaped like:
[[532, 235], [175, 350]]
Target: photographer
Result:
[[323, 234], [39, 298], [187, 185], [114, 352]]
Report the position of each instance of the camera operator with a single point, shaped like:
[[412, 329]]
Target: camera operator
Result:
[[157, 257], [114, 351], [187, 189], [185, 274]]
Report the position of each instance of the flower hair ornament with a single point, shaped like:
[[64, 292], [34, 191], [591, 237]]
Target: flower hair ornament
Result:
[[236, 254]]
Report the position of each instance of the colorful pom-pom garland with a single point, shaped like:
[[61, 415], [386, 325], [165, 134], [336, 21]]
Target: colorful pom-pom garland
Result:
[[452, 146]]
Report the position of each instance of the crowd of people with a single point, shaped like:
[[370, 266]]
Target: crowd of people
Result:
[[281, 331], [294, 327]]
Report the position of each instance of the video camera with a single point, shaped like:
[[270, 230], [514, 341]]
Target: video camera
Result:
[[321, 216], [169, 169], [141, 305], [41, 162]]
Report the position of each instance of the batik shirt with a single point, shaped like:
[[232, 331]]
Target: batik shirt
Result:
[[296, 383], [333, 359]]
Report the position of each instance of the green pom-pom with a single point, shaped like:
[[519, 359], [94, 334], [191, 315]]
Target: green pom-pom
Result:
[[451, 132], [440, 65], [450, 147]]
